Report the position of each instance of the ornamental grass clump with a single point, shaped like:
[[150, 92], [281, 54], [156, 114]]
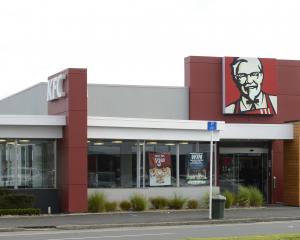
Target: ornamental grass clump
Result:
[[177, 202], [243, 198], [256, 197], [230, 198], [159, 202], [204, 199], [125, 205], [192, 204], [110, 206], [96, 202], [138, 202]]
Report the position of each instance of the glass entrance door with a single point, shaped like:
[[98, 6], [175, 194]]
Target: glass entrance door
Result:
[[253, 171], [247, 169]]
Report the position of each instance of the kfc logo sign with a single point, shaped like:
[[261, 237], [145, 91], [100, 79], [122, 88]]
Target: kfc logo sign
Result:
[[249, 86], [55, 88]]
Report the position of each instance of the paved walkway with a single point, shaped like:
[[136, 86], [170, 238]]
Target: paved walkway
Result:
[[149, 218]]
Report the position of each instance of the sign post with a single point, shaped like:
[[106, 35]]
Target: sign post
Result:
[[211, 127]]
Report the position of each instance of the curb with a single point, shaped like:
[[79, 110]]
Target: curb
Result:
[[11, 229], [206, 222], [126, 225], [133, 212]]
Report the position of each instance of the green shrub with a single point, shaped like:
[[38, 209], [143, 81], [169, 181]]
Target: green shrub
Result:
[[192, 204], [176, 202], [243, 198], [256, 197], [125, 205], [110, 206], [3, 191], [96, 202], [138, 202], [229, 198], [159, 202], [24, 211], [15, 201]]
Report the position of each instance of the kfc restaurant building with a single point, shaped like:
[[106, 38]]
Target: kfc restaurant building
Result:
[[65, 139]]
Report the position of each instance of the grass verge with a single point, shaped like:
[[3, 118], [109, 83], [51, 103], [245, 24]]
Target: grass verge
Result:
[[258, 237]]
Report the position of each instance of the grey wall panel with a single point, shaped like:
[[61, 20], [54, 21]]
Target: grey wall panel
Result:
[[31, 101], [109, 101], [138, 101]]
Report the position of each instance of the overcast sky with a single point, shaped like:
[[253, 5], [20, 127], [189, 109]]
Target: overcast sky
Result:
[[141, 42]]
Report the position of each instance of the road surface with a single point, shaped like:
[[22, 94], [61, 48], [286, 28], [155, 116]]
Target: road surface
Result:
[[159, 233]]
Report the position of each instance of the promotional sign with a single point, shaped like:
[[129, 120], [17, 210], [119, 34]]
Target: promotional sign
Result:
[[197, 169], [160, 169], [249, 86]]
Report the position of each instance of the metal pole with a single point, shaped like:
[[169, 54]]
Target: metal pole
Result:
[[177, 166], [144, 163], [55, 163], [16, 159], [215, 161], [210, 174], [138, 165]]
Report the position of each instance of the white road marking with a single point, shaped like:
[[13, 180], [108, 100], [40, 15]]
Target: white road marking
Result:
[[114, 236]]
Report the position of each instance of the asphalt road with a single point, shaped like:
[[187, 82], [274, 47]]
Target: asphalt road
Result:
[[159, 233]]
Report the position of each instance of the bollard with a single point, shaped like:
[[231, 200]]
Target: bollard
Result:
[[49, 210]]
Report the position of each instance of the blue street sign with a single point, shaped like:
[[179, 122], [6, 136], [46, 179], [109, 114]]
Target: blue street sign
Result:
[[211, 126]]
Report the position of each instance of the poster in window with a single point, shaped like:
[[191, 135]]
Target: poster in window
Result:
[[160, 169], [197, 169]]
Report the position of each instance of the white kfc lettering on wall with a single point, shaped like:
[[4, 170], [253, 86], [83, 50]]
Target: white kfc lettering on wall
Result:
[[55, 87]]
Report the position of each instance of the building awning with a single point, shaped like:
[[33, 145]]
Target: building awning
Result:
[[258, 131], [31, 126], [188, 130], [158, 129]]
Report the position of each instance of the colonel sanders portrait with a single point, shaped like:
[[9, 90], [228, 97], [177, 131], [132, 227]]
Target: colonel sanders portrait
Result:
[[248, 75]]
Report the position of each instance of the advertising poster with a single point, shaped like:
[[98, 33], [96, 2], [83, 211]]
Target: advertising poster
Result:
[[197, 169], [160, 169], [249, 86]]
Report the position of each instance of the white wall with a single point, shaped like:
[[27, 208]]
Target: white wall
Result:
[[119, 194]]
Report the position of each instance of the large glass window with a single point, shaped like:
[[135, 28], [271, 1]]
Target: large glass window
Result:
[[27, 163], [112, 163]]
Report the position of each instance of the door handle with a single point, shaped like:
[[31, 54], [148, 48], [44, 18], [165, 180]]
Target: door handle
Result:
[[274, 182]]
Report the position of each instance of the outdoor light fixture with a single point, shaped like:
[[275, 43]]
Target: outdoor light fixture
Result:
[[24, 141], [117, 141], [183, 143], [2, 140], [152, 143], [98, 143], [170, 144]]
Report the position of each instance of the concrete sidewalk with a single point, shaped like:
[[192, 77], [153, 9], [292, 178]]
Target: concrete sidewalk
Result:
[[148, 218]]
